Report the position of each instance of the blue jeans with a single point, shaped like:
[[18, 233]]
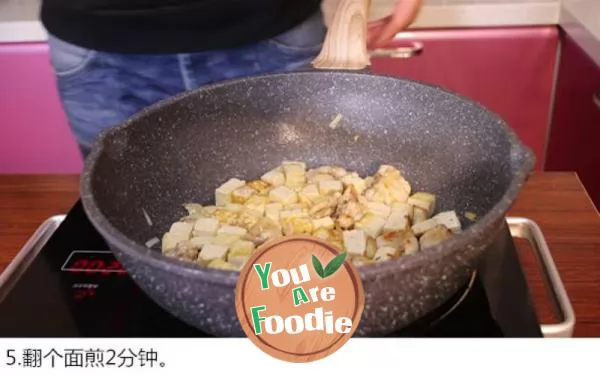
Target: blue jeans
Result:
[[100, 90]]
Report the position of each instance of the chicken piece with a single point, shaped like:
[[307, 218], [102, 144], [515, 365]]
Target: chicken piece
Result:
[[434, 236], [410, 244], [325, 206], [354, 180], [349, 210], [185, 250], [265, 229]]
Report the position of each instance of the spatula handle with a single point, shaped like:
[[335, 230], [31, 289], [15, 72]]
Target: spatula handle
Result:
[[345, 45]]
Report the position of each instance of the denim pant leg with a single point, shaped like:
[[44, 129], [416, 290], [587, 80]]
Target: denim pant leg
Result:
[[290, 51], [100, 90]]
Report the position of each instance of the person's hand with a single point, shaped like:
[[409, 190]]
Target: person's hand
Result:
[[383, 31]]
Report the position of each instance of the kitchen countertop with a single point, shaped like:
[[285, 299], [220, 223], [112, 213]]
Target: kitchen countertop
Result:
[[557, 202], [19, 18]]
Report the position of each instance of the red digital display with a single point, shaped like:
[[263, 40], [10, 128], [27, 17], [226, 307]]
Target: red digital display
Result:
[[96, 262]]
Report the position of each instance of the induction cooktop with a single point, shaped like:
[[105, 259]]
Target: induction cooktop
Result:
[[66, 282]]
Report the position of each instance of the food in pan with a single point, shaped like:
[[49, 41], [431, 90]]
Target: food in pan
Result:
[[373, 219]]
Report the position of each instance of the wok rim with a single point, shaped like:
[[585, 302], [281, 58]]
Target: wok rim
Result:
[[156, 259]]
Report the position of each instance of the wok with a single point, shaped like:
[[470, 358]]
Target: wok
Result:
[[182, 148]]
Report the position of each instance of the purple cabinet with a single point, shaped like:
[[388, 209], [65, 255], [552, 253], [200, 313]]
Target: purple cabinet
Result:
[[508, 70], [575, 134], [35, 136]]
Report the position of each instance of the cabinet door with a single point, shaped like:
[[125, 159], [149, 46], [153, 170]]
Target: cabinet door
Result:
[[575, 132], [508, 70], [35, 135]]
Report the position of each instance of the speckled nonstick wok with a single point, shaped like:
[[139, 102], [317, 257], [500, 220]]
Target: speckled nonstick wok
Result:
[[180, 149]]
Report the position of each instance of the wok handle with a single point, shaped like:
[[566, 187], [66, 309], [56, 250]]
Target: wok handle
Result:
[[529, 230], [345, 45]]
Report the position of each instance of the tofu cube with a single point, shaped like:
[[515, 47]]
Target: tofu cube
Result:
[[295, 173], [274, 177], [449, 219], [206, 226], [169, 242], [324, 222], [212, 252], [296, 225], [355, 241], [398, 221], [385, 253], [394, 240], [372, 225], [379, 209], [330, 186], [200, 241], [424, 201], [223, 192], [239, 252], [419, 215], [220, 264], [242, 194], [233, 207], [181, 230], [289, 213], [283, 195], [272, 211], [309, 193], [225, 240], [232, 230], [423, 226]]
